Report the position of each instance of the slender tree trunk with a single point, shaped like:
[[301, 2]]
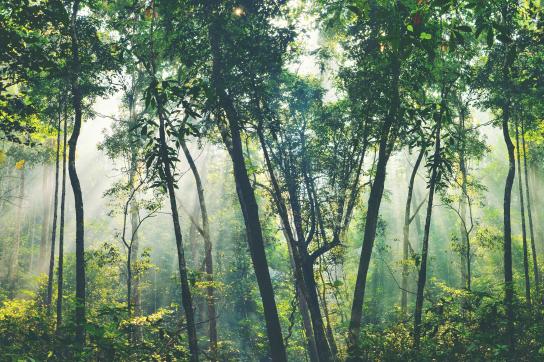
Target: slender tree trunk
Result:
[[530, 214], [76, 187], [60, 271], [523, 228], [208, 260], [509, 57], [508, 274], [14, 259], [371, 220], [248, 202], [186, 298], [406, 233], [46, 199], [465, 241], [51, 273], [422, 277]]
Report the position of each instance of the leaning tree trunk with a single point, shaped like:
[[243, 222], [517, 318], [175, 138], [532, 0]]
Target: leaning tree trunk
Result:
[[530, 214], [523, 228], [186, 298], [208, 260], [371, 220], [60, 271], [408, 218], [248, 202], [422, 277], [76, 187], [49, 295]]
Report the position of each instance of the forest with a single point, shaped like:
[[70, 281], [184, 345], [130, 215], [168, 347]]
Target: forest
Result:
[[271, 180]]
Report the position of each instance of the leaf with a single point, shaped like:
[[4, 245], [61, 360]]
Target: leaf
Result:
[[20, 164], [425, 36], [410, 28]]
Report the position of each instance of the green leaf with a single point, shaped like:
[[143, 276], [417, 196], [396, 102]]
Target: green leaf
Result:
[[410, 28], [425, 36]]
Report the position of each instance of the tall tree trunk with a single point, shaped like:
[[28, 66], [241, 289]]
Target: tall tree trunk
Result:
[[60, 277], [509, 57], [523, 228], [508, 274], [186, 298], [530, 214], [46, 200], [76, 187], [248, 202], [208, 260], [50, 276], [371, 220], [408, 218], [14, 259], [465, 241], [422, 277], [466, 274]]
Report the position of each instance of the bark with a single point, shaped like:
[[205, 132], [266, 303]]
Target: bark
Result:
[[523, 227], [422, 277], [54, 227], [60, 271], [208, 260], [530, 214], [408, 218], [76, 187], [246, 197]]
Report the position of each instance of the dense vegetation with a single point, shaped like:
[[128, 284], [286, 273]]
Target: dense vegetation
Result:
[[254, 180]]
